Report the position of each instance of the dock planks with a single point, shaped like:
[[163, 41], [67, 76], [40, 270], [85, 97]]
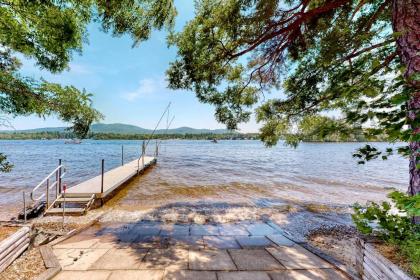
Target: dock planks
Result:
[[112, 179]]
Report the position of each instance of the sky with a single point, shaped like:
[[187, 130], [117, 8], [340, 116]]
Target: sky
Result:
[[128, 84]]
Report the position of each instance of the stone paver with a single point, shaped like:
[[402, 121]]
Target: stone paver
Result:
[[243, 275], [128, 258], [147, 228], [210, 260], [249, 242], [204, 230], [172, 258], [233, 230], [254, 259], [136, 275], [297, 257], [280, 240], [175, 230], [308, 274], [82, 275], [189, 242], [261, 229], [147, 241], [78, 259], [190, 275], [221, 242], [157, 251]]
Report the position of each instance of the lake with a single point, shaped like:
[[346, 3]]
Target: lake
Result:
[[199, 171]]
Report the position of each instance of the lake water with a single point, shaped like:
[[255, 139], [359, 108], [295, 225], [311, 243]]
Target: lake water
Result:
[[200, 170]]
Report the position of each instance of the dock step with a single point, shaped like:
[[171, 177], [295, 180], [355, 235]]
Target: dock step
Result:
[[73, 200], [83, 204], [67, 211]]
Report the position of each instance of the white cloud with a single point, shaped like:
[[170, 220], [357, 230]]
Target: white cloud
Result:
[[147, 87]]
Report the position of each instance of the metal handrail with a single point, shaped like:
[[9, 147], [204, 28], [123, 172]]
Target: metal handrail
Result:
[[46, 179]]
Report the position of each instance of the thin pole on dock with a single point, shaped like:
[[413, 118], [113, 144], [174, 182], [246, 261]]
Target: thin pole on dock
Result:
[[24, 207], [102, 175], [143, 152], [122, 155], [59, 176]]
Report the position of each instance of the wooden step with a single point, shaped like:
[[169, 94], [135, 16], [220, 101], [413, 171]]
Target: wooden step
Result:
[[73, 199], [68, 211], [77, 195]]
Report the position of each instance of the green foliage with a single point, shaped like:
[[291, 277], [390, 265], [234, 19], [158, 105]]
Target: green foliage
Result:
[[50, 32], [341, 58], [392, 222], [5, 166], [129, 136]]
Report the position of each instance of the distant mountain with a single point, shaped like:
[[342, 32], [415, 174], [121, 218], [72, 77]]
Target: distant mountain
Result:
[[121, 128]]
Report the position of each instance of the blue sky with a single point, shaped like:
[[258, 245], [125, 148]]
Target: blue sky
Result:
[[128, 83]]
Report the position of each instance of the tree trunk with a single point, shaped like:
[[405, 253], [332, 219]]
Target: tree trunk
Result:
[[406, 20]]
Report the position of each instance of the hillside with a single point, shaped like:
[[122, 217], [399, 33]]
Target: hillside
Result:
[[120, 128]]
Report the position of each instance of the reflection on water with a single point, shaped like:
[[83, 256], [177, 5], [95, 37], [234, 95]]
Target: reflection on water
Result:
[[201, 170]]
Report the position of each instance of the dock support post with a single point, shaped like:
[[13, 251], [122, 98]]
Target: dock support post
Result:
[[143, 152], [122, 155], [24, 207], [102, 180], [59, 176], [48, 193]]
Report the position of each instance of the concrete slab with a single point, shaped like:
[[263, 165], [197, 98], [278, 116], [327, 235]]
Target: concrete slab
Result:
[[78, 259], [175, 230], [147, 228], [82, 275], [233, 230], [172, 258], [220, 242], [78, 241], [243, 275], [188, 242], [308, 274], [128, 258], [297, 257], [210, 260], [254, 242], [147, 241], [136, 275], [280, 240], [254, 259], [190, 275], [260, 228], [204, 230]]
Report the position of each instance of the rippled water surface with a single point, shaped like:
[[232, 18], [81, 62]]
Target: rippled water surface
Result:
[[200, 170]]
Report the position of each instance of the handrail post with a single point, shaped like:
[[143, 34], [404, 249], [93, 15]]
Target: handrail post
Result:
[[143, 152], [102, 175], [59, 176], [48, 193], [122, 155], [24, 207]]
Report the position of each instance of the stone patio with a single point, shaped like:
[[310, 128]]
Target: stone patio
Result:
[[151, 250]]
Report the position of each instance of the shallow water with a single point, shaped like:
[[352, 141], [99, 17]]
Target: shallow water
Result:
[[229, 171]]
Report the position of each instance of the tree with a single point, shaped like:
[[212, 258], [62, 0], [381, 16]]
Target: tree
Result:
[[50, 32], [360, 57]]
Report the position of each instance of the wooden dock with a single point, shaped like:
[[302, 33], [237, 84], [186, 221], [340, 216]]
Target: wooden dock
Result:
[[113, 179], [77, 200]]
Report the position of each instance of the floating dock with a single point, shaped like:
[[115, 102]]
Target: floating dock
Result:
[[102, 186], [77, 200]]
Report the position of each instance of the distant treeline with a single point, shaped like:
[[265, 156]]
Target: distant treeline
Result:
[[204, 136], [119, 136]]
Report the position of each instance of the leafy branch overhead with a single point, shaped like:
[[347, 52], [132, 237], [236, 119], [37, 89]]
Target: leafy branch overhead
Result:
[[51, 32], [313, 56]]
